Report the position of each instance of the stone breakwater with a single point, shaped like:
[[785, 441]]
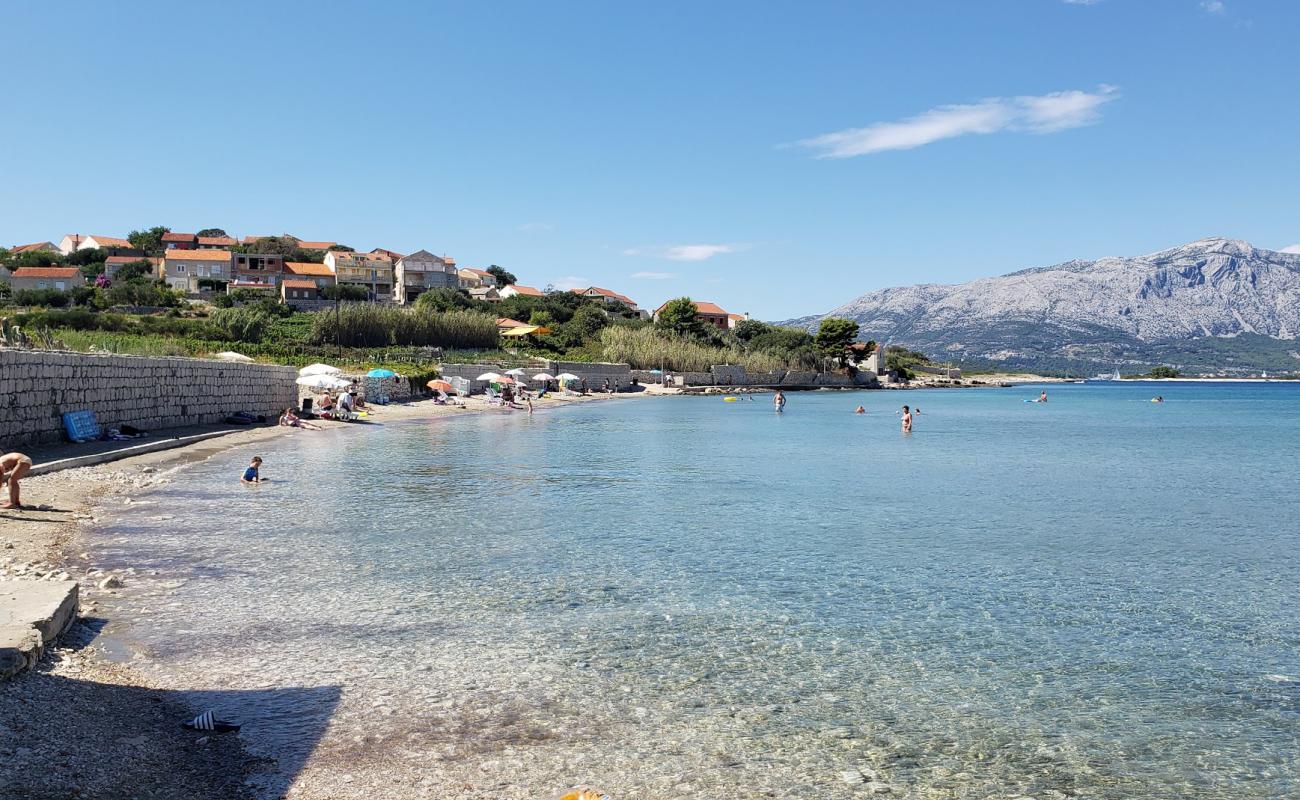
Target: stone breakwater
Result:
[[38, 386]]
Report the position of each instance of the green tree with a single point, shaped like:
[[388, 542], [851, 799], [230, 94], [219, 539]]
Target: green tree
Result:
[[503, 277], [588, 320], [1163, 372], [133, 270], [345, 292], [212, 232], [149, 241], [35, 258], [680, 316], [834, 335], [748, 329], [51, 298], [243, 324], [444, 298], [542, 318]]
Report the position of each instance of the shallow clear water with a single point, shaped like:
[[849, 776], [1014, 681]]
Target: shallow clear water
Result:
[[1093, 597]]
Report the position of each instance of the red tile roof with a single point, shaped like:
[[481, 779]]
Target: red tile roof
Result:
[[705, 307], [292, 284], [379, 251], [33, 247], [507, 323], [526, 290], [316, 245], [171, 236], [307, 268], [47, 272], [197, 255], [108, 241], [607, 293], [218, 241]]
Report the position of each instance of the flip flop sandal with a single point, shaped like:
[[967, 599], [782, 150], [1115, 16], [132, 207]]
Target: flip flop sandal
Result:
[[208, 722]]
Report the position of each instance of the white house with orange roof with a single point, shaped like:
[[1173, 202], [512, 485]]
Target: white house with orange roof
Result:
[[369, 270], [77, 241], [519, 290]]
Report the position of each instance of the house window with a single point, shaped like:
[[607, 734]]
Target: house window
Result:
[[180, 269], [216, 271]]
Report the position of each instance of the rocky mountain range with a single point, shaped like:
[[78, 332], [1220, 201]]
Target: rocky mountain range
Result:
[[1214, 305]]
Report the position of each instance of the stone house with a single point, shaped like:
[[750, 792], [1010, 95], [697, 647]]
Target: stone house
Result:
[[471, 278], [301, 293], [58, 278], [421, 271], [372, 271], [182, 269]]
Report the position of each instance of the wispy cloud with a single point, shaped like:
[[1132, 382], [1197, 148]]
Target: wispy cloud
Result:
[[1047, 113], [654, 276], [1213, 6], [1295, 248], [571, 282], [686, 252], [529, 227]]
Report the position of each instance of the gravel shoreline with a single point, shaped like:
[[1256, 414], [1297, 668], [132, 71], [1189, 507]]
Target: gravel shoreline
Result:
[[81, 725]]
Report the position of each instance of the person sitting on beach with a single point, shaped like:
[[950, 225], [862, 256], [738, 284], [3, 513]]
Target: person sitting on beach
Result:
[[252, 474], [345, 401], [860, 410], [292, 420], [325, 403], [12, 467], [907, 420]]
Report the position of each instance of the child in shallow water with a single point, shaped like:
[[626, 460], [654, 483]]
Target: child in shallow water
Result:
[[253, 473]]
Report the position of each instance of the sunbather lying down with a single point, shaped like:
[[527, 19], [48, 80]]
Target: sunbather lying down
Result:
[[12, 467]]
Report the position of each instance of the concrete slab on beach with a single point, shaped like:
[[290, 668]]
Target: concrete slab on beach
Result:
[[32, 615]]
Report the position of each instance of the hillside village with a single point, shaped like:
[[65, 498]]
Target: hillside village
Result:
[[295, 271], [159, 291]]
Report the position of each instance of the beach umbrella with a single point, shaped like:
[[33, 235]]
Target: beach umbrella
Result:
[[542, 376], [440, 386], [232, 356], [567, 376], [381, 373], [319, 369], [517, 372], [504, 379], [322, 382], [489, 376]]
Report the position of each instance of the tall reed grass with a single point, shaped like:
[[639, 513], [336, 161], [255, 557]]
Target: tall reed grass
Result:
[[371, 325], [647, 348]]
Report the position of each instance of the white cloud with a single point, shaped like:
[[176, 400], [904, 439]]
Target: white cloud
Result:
[[1295, 248], [571, 282], [1046, 113], [529, 227], [654, 276], [686, 252], [1213, 6]]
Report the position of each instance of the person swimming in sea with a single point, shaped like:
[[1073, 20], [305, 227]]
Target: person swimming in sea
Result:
[[860, 410], [907, 420], [1042, 398], [1158, 399]]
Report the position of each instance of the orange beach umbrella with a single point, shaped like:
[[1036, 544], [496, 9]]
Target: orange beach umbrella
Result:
[[440, 386]]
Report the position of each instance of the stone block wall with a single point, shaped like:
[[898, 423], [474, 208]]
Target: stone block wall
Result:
[[38, 386]]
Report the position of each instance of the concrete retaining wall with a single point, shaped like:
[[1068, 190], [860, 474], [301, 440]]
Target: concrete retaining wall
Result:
[[594, 374], [731, 375], [38, 386]]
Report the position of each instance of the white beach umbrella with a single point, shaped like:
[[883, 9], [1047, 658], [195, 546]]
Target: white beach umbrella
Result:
[[567, 376], [542, 376], [230, 355], [517, 371], [319, 369], [489, 376], [322, 382]]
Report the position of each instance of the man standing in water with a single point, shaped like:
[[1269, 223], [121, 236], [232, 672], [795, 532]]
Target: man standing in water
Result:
[[907, 420], [778, 402]]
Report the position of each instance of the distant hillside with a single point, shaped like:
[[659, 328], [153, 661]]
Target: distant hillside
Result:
[[1209, 306]]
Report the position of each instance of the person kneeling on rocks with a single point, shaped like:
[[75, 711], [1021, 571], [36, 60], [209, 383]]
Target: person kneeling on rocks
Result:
[[12, 467]]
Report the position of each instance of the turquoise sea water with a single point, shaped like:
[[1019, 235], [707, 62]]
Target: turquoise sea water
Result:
[[1093, 597]]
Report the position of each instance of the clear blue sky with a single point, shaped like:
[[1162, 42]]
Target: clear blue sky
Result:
[[776, 160]]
